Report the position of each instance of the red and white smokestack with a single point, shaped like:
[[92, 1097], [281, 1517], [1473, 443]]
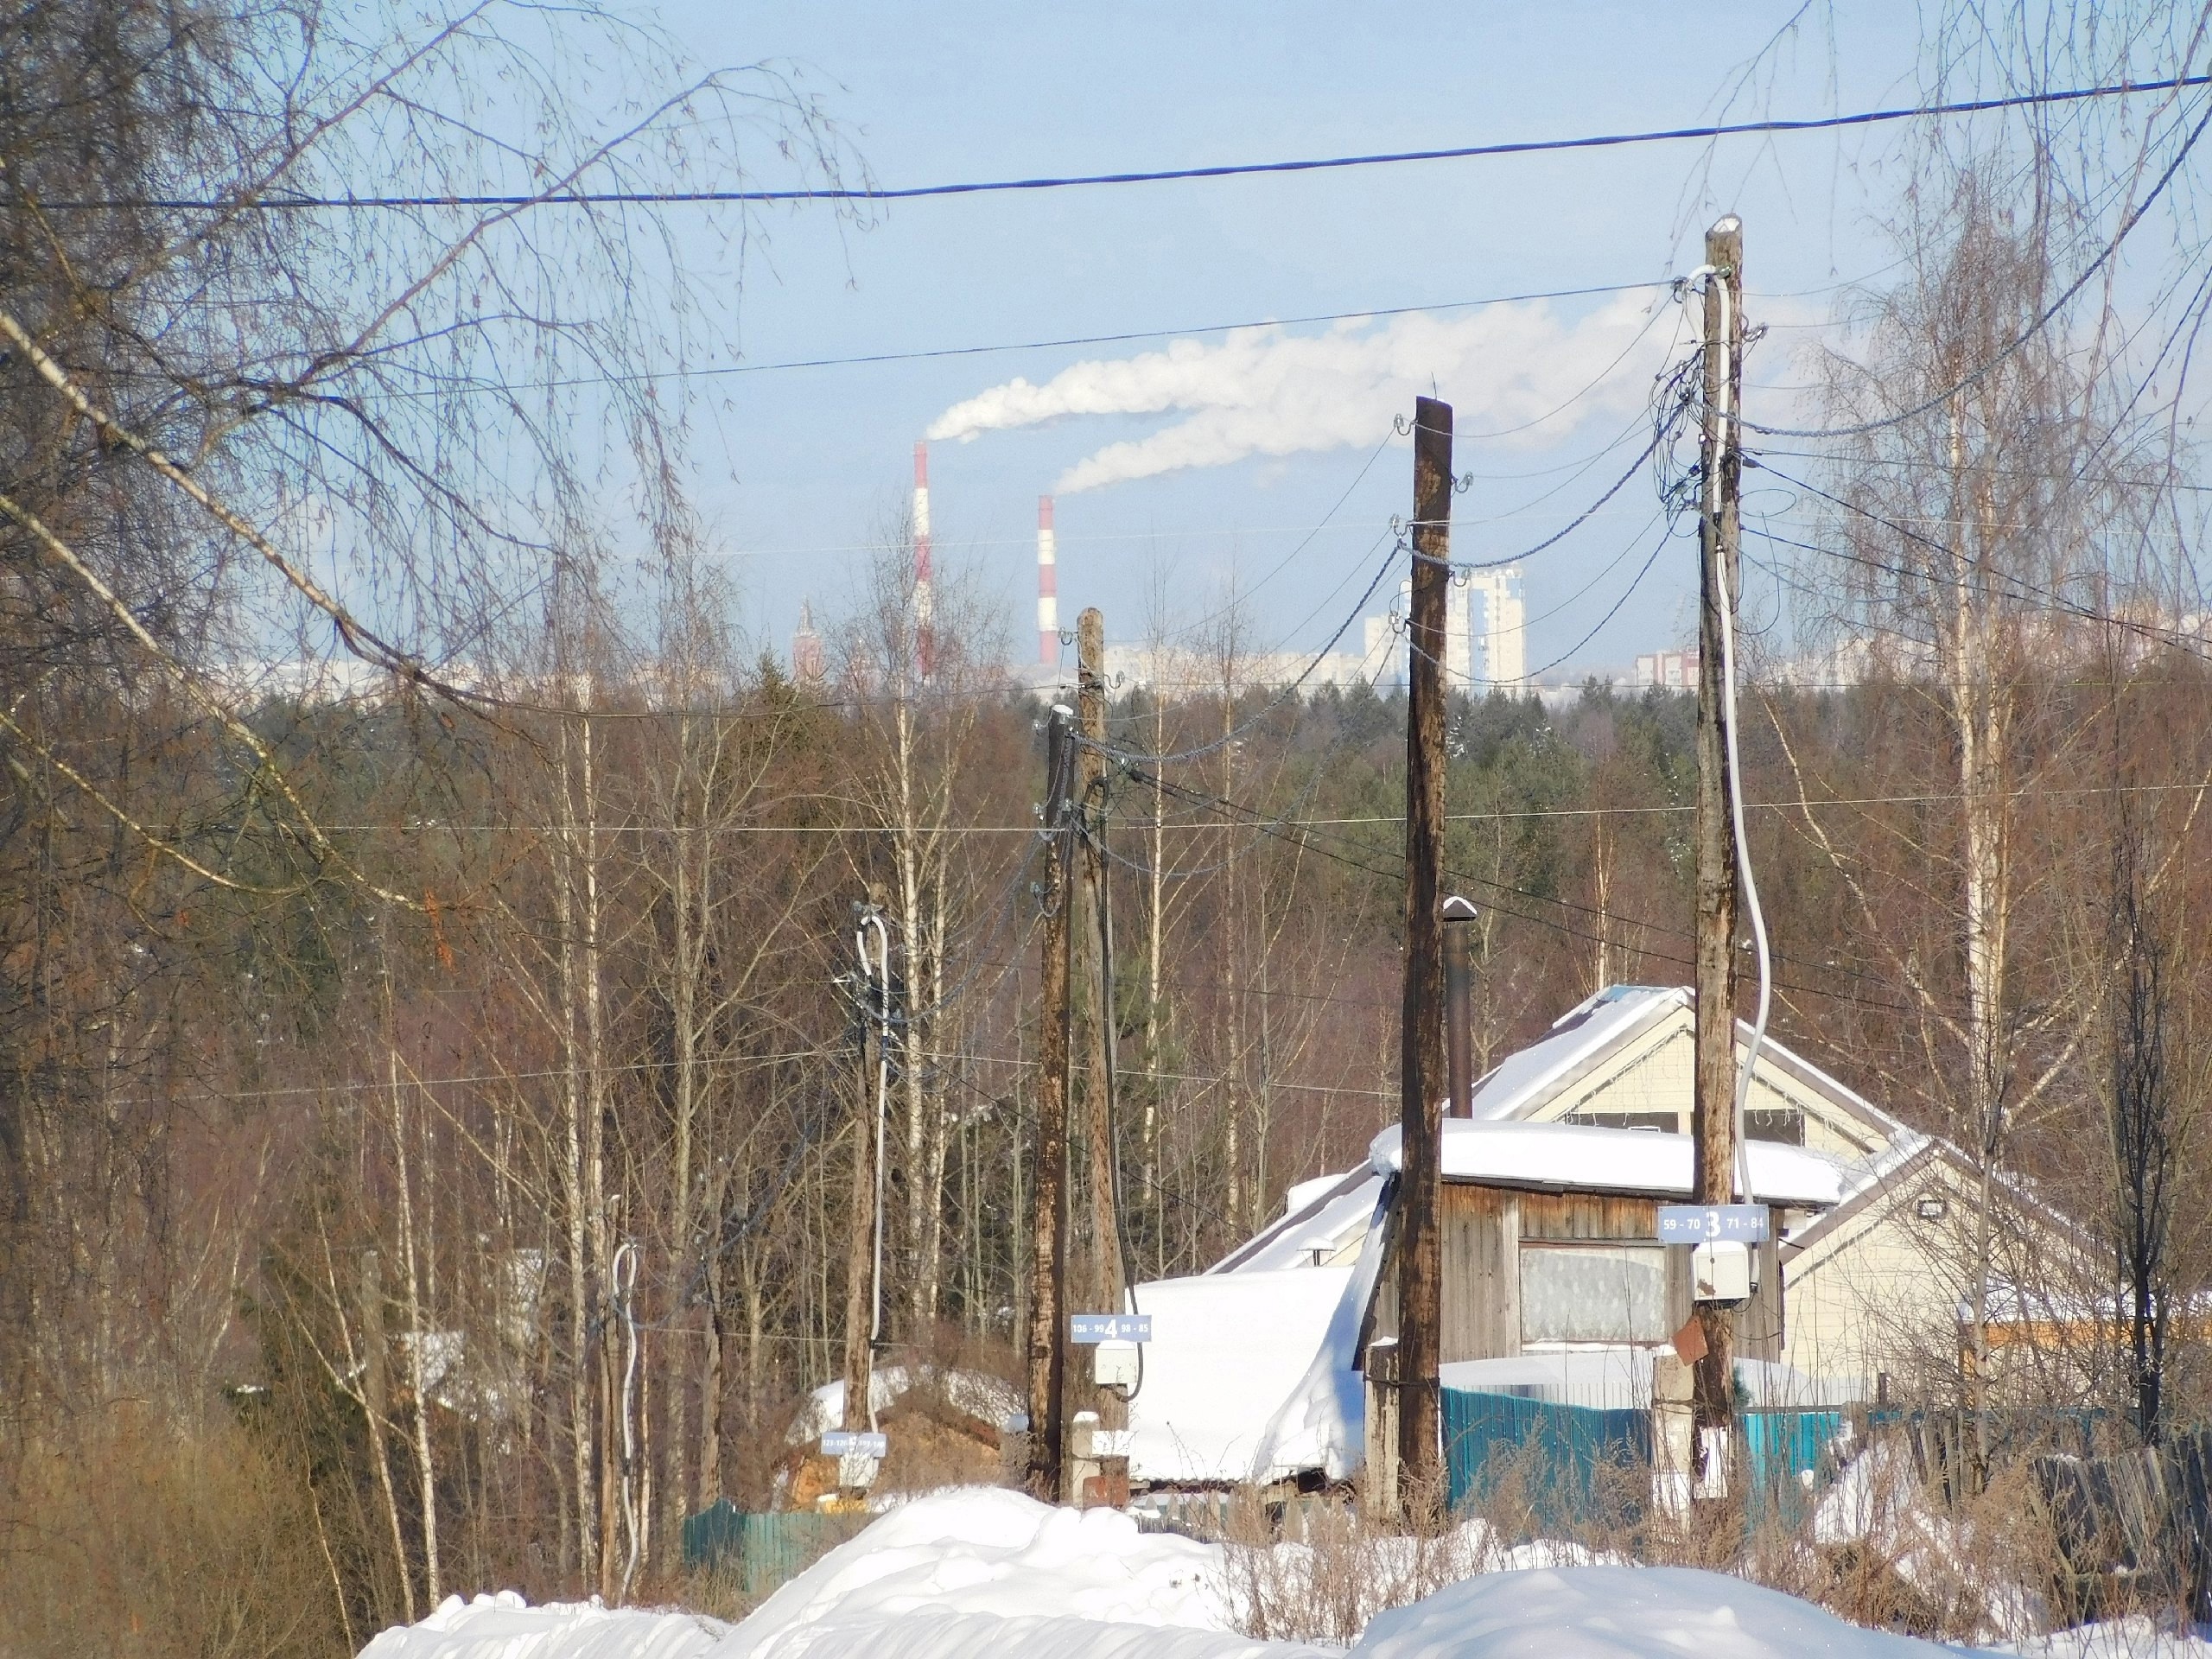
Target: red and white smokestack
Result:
[[924, 598], [1048, 586]]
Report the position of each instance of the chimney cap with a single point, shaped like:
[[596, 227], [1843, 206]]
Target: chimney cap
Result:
[[1456, 909]]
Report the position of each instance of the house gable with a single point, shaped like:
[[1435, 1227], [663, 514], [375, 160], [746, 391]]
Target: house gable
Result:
[[1638, 1072]]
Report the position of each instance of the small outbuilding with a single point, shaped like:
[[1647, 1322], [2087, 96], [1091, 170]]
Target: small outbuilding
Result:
[[1554, 1279]]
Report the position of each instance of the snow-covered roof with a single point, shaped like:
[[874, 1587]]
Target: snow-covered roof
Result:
[[1331, 1220], [1574, 1157], [1227, 1350], [1580, 1035]]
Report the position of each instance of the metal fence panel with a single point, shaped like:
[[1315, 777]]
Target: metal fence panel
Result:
[[763, 1551]]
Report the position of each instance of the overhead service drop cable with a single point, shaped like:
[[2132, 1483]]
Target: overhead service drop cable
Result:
[[1571, 526], [1125, 337], [2027, 592], [1282, 564], [1242, 169], [1314, 840], [2043, 320], [1288, 690]]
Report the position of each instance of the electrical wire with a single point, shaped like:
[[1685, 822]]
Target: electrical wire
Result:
[[1125, 337], [2045, 598], [1307, 839], [2050, 312], [1329, 163], [1288, 690], [1358, 478]]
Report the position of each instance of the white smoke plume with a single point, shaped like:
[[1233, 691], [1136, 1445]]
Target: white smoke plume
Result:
[[1264, 392]]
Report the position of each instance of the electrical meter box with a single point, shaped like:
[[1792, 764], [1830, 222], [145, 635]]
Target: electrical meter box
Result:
[[1721, 1272], [1113, 1365]]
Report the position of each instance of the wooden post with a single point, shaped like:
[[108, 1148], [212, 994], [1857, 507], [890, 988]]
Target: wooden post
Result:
[[1106, 1284], [1048, 1311], [1714, 1093], [1421, 1036]]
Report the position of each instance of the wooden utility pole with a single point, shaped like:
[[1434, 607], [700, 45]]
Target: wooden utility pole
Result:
[[1713, 1399], [859, 1245], [1421, 1077], [1105, 1278], [1105, 1281], [1048, 1226]]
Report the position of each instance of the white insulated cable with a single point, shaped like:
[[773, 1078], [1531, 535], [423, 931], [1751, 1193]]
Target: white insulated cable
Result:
[[1723, 414], [881, 976]]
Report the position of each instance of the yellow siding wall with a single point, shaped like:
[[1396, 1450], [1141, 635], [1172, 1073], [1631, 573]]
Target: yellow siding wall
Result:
[[1881, 1293], [1659, 1075]]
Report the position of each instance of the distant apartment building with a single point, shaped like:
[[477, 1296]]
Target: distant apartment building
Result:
[[1485, 634], [1669, 670], [1504, 630]]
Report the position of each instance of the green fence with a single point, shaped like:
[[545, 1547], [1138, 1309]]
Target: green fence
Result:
[[762, 1551], [1581, 1464], [1564, 1452], [1782, 1452]]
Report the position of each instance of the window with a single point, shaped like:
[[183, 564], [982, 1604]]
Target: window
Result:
[[1593, 1293], [1784, 1123], [1664, 1123]]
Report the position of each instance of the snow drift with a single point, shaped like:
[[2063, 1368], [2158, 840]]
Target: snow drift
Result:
[[989, 1574]]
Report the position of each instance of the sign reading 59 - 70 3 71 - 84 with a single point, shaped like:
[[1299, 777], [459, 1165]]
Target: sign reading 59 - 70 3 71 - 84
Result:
[[1709, 1223]]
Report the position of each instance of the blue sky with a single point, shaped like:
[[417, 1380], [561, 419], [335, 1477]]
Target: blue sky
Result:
[[798, 470]]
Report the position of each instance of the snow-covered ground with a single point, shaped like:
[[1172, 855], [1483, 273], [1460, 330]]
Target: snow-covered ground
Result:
[[989, 1574]]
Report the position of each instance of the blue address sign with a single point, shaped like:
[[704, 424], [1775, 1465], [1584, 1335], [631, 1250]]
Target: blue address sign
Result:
[[1087, 1329], [1706, 1224]]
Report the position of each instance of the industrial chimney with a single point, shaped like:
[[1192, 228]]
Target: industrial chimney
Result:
[[1048, 586], [925, 598]]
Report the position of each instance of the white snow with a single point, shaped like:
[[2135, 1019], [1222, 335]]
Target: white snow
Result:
[[980, 1574], [981, 1558], [1622, 1612], [1322, 1423], [1580, 1157], [2121, 1638], [1226, 1354], [504, 1626], [1582, 1033]]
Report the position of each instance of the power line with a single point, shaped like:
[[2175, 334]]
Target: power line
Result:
[[1304, 840], [2049, 312], [1242, 169], [1504, 814], [927, 354], [2046, 598], [1280, 698]]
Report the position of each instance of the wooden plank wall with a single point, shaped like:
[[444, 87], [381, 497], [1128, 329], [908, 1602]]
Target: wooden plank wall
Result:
[[1482, 1227]]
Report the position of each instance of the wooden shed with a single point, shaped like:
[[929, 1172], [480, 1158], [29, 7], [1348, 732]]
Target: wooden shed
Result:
[[1550, 1237]]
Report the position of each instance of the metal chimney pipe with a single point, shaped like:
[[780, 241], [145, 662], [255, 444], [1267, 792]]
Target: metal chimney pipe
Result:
[[1459, 917]]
